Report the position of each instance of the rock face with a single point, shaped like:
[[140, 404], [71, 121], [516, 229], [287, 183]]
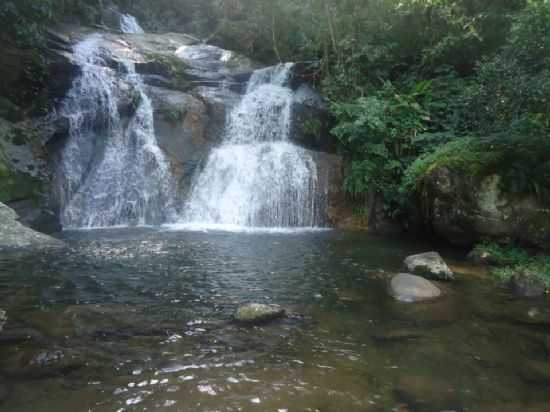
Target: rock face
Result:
[[15, 235], [430, 265], [466, 209], [192, 86], [410, 288], [310, 122], [254, 313]]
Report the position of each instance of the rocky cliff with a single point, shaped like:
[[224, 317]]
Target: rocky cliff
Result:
[[192, 87]]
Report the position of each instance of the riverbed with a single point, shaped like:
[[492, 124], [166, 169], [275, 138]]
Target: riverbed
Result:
[[141, 319]]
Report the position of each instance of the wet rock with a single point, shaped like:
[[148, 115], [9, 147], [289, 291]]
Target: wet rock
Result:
[[254, 313], [482, 257], [527, 285], [410, 288], [51, 363], [3, 319], [536, 372], [396, 336], [423, 393], [16, 236], [430, 265], [310, 121]]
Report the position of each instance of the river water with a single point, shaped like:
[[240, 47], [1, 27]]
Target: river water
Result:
[[140, 319]]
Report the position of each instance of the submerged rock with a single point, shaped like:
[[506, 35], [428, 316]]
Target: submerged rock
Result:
[[258, 313], [410, 288], [536, 372], [426, 393], [430, 265], [3, 319], [527, 285], [16, 236]]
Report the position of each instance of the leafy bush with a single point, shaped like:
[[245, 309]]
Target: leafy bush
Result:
[[511, 260], [538, 267], [503, 255]]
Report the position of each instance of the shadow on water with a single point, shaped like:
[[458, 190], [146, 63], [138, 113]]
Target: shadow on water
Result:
[[141, 319]]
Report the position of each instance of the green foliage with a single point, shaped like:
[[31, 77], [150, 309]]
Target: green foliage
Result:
[[24, 19], [380, 133], [466, 154], [175, 115], [503, 255], [511, 260], [538, 267]]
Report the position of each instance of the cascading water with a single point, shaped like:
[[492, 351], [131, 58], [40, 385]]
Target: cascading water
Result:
[[257, 177], [112, 171], [130, 25]]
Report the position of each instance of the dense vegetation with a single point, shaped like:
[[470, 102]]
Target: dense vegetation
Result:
[[409, 83]]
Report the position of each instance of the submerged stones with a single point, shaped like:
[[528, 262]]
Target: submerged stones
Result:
[[410, 288], [430, 265], [254, 313]]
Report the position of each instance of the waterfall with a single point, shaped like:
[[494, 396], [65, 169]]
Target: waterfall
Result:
[[129, 24], [257, 177], [112, 172]]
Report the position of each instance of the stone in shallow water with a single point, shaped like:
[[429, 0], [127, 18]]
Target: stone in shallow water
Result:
[[410, 288], [258, 313], [430, 265]]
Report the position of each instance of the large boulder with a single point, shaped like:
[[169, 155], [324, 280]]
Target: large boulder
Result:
[[16, 236], [430, 265], [255, 313], [410, 288], [186, 129], [465, 208]]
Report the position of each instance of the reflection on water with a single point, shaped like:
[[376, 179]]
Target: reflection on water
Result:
[[135, 320]]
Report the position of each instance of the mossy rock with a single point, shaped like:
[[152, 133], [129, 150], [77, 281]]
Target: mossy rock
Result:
[[256, 313], [170, 67], [464, 193], [16, 186]]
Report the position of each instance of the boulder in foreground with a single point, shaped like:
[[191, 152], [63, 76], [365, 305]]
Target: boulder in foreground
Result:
[[254, 313], [430, 265], [410, 288], [15, 235]]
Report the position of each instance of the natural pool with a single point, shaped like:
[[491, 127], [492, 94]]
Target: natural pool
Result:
[[140, 320]]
